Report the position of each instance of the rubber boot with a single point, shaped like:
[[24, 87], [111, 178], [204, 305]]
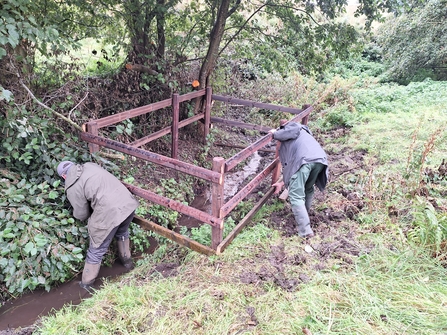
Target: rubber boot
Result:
[[89, 275], [124, 252], [308, 202], [302, 221]]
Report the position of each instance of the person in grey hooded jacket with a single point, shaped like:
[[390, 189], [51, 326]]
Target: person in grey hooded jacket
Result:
[[304, 164], [95, 194]]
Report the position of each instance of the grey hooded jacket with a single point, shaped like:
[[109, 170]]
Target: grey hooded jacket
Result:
[[299, 147], [99, 196]]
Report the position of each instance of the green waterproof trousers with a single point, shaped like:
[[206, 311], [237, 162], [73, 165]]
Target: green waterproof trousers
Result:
[[301, 185]]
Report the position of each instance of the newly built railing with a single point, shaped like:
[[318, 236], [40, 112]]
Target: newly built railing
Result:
[[215, 176]]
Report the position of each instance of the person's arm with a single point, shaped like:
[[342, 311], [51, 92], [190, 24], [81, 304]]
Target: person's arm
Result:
[[290, 131], [81, 207]]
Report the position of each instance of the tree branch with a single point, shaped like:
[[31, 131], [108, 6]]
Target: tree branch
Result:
[[49, 108], [240, 29]]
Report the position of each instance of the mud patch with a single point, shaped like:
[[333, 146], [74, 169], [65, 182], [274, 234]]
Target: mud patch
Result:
[[274, 272], [165, 270]]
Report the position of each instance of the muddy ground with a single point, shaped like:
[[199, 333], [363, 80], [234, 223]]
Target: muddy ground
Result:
[[332, 222]]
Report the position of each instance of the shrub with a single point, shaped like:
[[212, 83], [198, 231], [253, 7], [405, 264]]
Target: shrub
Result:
[[41, 244]]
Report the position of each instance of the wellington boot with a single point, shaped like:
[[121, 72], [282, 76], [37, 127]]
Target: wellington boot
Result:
[[89, 274], [302, 221], [124, 252]]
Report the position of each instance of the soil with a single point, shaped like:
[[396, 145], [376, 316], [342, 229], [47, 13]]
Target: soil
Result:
[[336, 234]]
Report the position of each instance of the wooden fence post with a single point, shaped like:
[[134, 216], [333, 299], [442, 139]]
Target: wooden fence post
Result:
[[175, 122], [306, 118], [217, 197], [207, 117], [92, 128]]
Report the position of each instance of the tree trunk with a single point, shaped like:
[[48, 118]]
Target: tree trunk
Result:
[[215, 39], [161, 22]]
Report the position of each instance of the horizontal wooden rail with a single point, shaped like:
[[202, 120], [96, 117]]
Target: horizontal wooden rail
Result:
[[175, 164], [234, 201], [240, 124], [165, 131], [151, 137], [250, 103], [191, 95], [115, 118], [243, 154], [173, 236], [175, 205], [236, 230]]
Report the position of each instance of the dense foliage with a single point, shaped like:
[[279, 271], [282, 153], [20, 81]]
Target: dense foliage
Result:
[[41, 244], [414, 43]]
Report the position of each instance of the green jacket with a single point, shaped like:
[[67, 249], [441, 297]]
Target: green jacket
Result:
[[100, 197]]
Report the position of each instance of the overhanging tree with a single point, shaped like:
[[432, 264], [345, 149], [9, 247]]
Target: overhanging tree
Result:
[[414, 44]]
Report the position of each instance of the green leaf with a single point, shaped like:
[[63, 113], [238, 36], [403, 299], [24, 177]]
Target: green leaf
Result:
[[30, 248], [13, 35], [76, 250], [4, 94], [40, 240], [24, 284], [53, 195]]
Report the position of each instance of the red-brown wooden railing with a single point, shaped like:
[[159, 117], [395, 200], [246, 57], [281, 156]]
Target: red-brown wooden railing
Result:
[[216, 176]]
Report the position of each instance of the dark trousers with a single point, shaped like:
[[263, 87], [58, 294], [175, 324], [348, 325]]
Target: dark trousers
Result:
[[95, 255]]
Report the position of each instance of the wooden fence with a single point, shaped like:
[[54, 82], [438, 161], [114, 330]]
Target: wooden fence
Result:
[[216, 176]]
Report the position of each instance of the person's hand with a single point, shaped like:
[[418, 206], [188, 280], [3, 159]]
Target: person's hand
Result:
[[271, 131], [278, 187]]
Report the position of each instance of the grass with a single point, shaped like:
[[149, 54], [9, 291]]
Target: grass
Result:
[[386, 292], [391, 285]]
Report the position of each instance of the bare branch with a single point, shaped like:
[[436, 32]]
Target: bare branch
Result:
[[49, 108], [69, 113], [240, 29]]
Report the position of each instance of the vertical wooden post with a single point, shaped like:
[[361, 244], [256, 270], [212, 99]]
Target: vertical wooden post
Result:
[[217, 197], [306, 118], [207, 118], [175, 122], [92, 128]]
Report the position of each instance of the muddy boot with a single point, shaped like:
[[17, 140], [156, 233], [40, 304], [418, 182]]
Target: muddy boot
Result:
[[302, 221], [124, 252], [308, 202], [89, 275]]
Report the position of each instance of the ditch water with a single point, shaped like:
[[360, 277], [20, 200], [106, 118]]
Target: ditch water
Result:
[[26, 310], [235, 179]]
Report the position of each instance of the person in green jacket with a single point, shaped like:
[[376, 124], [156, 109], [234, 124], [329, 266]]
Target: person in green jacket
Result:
[[304, 164], [99, 197]]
